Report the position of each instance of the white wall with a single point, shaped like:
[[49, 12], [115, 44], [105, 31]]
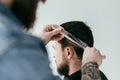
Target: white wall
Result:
[[103, 16]]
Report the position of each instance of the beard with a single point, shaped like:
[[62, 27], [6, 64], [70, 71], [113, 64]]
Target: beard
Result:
[[25, 11], [63, 68]]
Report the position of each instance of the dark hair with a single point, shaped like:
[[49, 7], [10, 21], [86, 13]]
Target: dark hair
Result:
[[79, 30], [25, 10]]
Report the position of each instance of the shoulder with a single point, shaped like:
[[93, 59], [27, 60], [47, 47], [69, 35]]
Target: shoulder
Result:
[[28, 43], [20, 40]]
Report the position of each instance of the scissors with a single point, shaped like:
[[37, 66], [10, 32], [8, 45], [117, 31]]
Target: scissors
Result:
[[72, 38]]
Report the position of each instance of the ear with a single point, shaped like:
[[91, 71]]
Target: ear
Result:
[[69, 52]]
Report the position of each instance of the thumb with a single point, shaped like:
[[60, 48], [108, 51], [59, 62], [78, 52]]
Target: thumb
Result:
[[56, 31]]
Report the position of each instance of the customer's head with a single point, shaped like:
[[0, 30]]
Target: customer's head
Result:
[[25, 10], [65, 51]]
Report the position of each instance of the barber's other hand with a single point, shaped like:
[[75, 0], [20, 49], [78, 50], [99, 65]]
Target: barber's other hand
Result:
[[48, 33], [92, 55]]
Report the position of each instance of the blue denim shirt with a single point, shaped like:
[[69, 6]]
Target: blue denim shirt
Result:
[[22, 57]]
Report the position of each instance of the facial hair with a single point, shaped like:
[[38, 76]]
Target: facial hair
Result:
[[63, 68]]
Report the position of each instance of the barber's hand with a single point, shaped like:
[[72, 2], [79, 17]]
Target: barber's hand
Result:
[[49, 33], [92, 55]]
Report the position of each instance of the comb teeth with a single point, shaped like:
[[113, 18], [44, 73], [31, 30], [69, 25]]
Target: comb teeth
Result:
[[72, 38]]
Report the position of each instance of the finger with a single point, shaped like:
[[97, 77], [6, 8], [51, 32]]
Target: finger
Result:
[[48, 28], [55, 26], [51, 27], [103, 57], [86, 48], [56, 31], [58, 38]]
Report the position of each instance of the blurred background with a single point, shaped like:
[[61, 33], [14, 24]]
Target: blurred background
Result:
[[103, 16]]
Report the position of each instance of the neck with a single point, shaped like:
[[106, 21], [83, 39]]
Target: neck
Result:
[[74, 67]]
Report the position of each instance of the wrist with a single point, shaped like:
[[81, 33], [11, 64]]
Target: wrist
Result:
[[94, 64]]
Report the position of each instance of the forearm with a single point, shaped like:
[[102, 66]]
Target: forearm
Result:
[[90, 71]]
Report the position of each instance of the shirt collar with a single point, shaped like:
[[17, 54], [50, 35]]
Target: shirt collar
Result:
[[74, 76]]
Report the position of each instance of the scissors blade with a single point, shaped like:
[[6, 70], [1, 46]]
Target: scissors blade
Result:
[[73, 39]]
